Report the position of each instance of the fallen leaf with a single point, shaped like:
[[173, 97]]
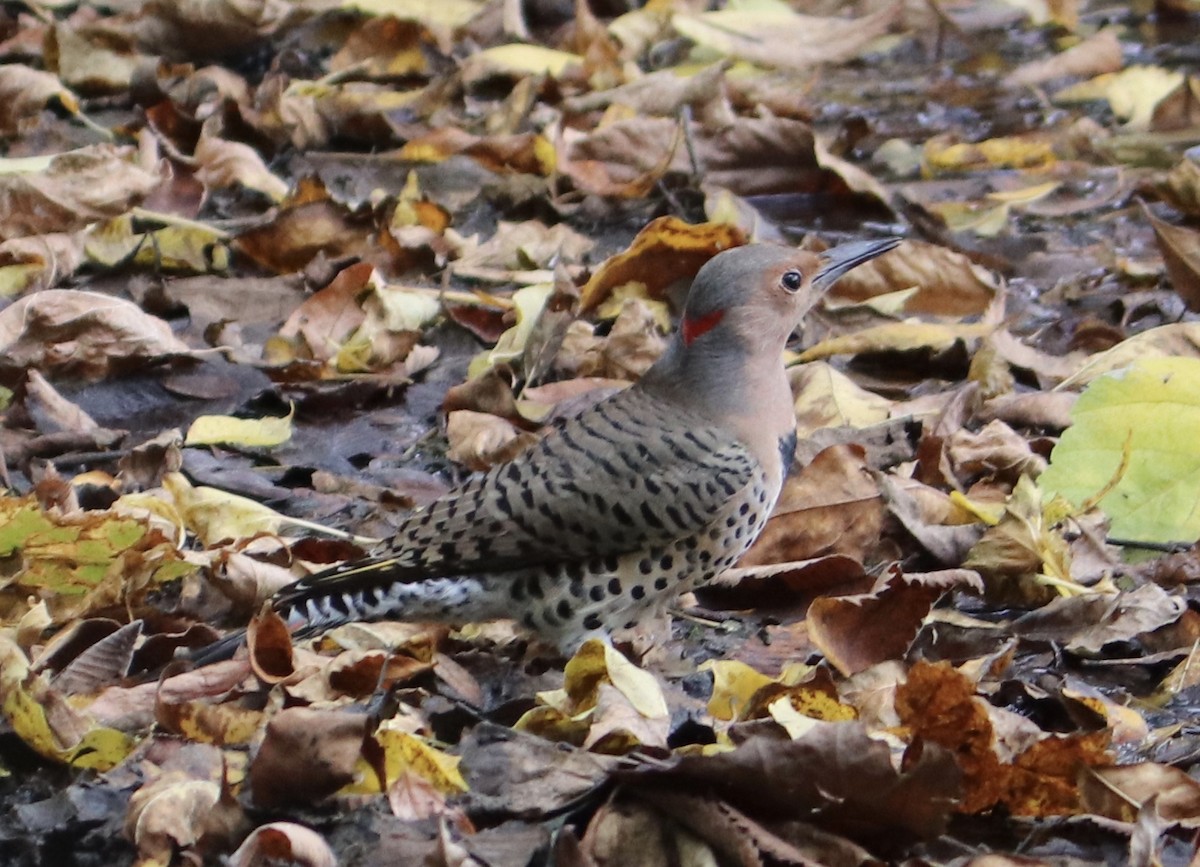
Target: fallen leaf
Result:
[[1130, 446]]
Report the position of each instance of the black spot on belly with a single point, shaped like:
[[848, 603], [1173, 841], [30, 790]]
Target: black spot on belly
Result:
[[660, 583], [592, 621], [564, 609]]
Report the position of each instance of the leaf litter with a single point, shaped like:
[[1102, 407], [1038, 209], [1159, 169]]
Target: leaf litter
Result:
[[267, 272]]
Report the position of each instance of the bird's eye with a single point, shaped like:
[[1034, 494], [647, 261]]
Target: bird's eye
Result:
[[791, 281]]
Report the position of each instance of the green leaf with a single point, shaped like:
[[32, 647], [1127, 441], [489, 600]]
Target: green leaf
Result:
[[1149, 413]]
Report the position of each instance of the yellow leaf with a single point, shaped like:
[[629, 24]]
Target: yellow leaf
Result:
[[1018, 152], [1133, 93], [436, 14], [404, 752], [827, 397], [734, 685], [179, 246], [23, 697], [249, 432], [1180, 339], [215, 515], [898, 336], [529, 303], [1025, 195], [635, 684], [521, 58], [80, 561], [1132, 447]]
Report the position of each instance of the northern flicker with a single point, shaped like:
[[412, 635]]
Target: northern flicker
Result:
[[615, 511]]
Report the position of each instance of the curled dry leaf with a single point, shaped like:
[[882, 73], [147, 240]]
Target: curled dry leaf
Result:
[[101, 663], [1180, 187], [51, 411], [76, 333], [1099, 53], [665, 251], [830, 506], [626, 353], [270, 644], [1119, 793], [1181, 339], [826, 397], [996, 450], [306, 755], [1129, 618], [285, 842], [779, 38], [72, 190], [522, 246], [1180, 249], [659, 93], [1132, 93], [481, 441], [92, 60], [24, 92], [836, 770], [931, 518], [947, 282], [226, 164], [172, 814], [38, 261], [856, 632], [526, 153]]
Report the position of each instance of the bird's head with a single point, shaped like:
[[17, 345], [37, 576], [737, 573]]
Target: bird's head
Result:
[[754, 297]]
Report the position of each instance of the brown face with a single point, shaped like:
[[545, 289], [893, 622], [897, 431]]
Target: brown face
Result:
[[784, 294], [789, 285], [758, 294]]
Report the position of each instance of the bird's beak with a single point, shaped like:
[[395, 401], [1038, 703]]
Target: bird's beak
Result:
[[840, 259]]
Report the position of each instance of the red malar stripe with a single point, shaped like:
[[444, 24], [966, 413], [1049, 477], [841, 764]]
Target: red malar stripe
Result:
[[690, 329]]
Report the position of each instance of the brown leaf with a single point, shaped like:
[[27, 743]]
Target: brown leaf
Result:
[[1180, 249], [831, 506], [76, 333], [173, 814], [306, 755], [1099, 53], [856, 632], [24, 92], [75, 189], [784, 39], [948, 283], [1119, 793], [37, 262], [665, 251], [270, 644], [51, 411], [481, 441], [326, 319], [939, 705], [284, 842], [836, 771], [941, 528]]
